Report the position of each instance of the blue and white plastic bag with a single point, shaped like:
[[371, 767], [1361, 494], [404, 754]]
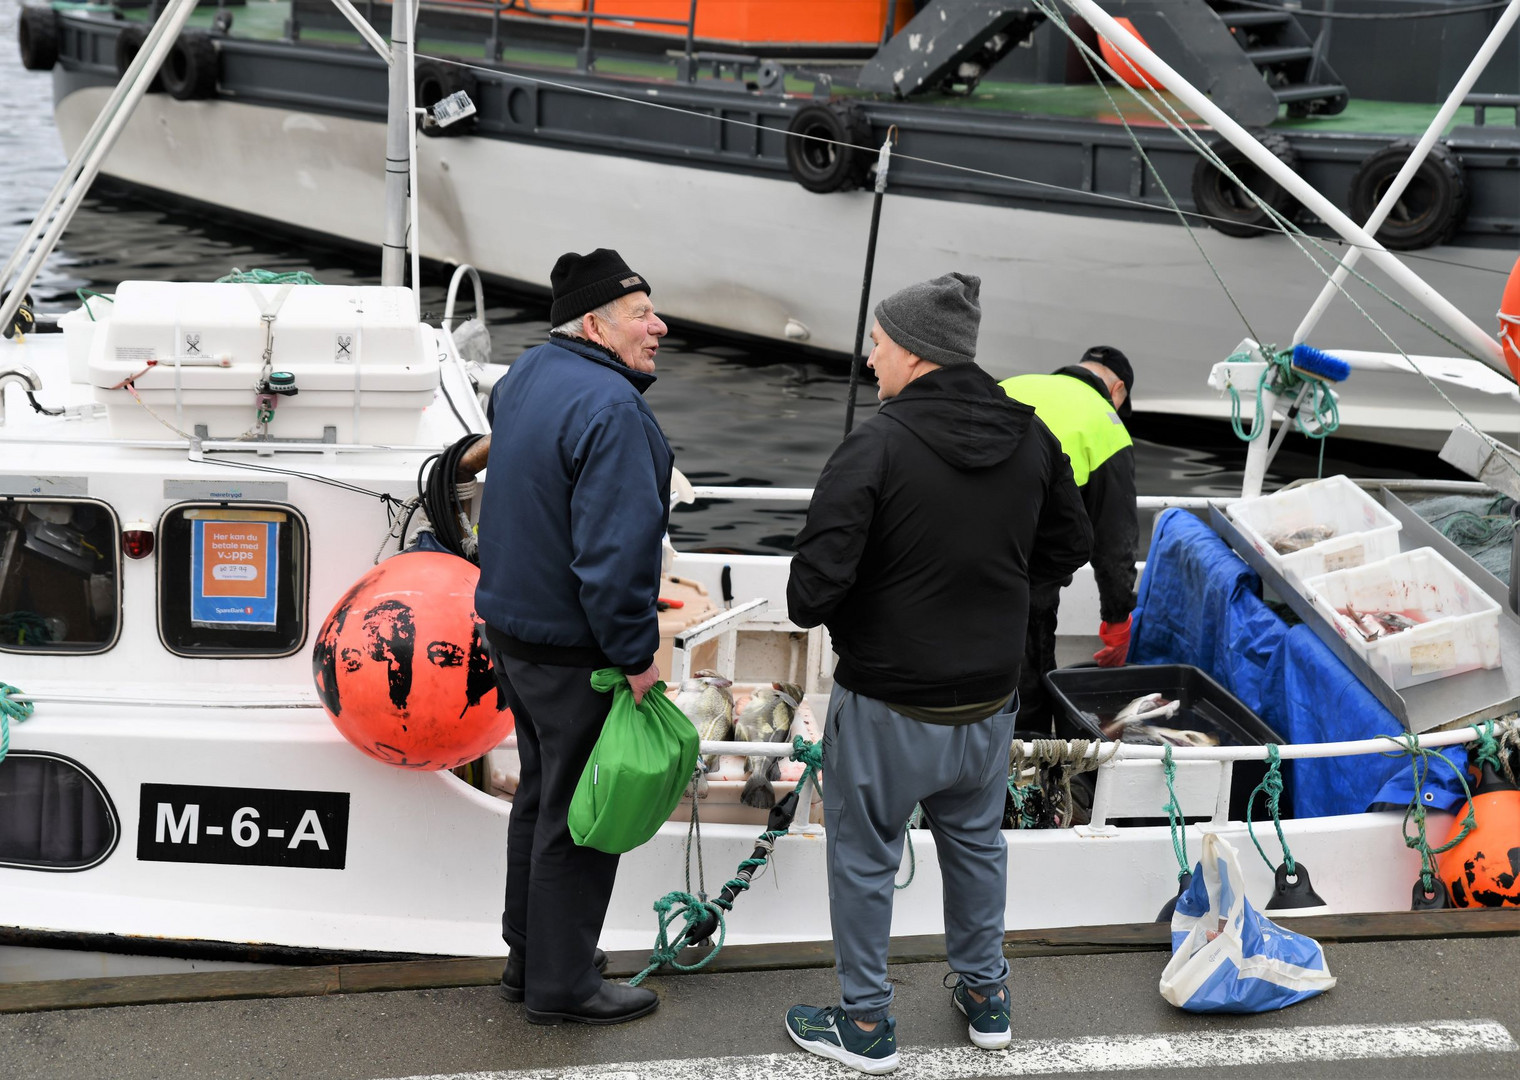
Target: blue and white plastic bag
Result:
[[1227, 956]]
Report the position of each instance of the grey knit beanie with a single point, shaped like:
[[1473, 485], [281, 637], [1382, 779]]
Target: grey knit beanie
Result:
[[936, 319]]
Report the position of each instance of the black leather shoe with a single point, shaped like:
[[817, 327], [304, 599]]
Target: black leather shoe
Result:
[[613, 1003], [511, 986]]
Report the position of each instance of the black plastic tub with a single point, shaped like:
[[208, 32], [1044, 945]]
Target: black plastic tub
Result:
[[1088, 696]]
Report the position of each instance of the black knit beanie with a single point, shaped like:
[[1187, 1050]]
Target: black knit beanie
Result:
[[582, 283], [936, 320]]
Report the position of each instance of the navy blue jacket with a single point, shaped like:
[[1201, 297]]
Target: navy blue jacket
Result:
[[576, 503]]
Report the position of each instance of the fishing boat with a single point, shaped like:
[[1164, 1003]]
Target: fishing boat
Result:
[[743, 132], [194, 473]]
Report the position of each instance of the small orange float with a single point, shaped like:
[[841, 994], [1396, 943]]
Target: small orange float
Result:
[[1131, 73], [1509, 321], [1484, 869], [400, 667]]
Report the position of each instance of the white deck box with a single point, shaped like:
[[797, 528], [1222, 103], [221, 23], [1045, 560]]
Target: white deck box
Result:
[[1460, 627], [1361, 531], [362, 361]]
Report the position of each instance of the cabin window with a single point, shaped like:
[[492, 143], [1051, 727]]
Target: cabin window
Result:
[[57, 816], [232, 580], [60, 576]]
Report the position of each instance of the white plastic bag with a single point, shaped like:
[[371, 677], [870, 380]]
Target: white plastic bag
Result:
[[1226, 956]]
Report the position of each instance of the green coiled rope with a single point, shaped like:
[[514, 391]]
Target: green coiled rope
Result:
[[10, 709]]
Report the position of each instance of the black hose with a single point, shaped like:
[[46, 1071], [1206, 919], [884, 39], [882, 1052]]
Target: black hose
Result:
[[439, 494]]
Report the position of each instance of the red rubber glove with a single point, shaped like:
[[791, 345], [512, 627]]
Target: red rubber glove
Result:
[[1115, 638]]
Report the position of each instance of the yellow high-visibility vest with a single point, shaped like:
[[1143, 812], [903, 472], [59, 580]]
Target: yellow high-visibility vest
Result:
[[1081, 418]]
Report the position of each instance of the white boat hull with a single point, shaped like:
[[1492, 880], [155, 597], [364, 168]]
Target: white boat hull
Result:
[[426, 853], [755, 255]]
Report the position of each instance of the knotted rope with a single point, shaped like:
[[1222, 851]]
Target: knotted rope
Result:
[[10, 709], [702, 915], [1272, 784], [1283, 379], [1173, 811], [1419, 767]]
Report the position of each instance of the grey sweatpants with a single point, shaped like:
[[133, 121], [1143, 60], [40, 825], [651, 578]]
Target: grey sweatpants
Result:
[[877, 766]]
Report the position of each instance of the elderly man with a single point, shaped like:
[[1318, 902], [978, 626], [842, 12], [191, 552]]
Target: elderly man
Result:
[[574, 510], [928, 526], [1085, 406]]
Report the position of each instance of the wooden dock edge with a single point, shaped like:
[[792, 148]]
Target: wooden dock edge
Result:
[[358, 978]]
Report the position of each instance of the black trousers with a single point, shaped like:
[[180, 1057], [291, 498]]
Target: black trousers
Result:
[[1036, 712], [557, 892]]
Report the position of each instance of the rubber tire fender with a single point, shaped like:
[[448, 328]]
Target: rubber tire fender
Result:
[[825, 166], [37, 35], [1432, 207], [129, 41], [190, 70], [1231, 210], [437, 81]]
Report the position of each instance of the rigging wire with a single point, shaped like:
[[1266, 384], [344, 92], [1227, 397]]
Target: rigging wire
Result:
[[1382, 16], [972, 170], [1288, 228]]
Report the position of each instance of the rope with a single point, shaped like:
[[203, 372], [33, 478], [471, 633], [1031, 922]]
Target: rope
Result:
[[10, 710], [1068, 758], [1419, 767], [1283, 379], [1174, 814], [85, 294], [698, 909], [914, 819], [267, 277], [1491, 753], [1272, 784]]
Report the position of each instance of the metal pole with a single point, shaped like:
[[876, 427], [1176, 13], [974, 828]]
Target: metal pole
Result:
[[178, 14], [891, 27], [583, 59], [366, 31], [1416, 159], [883, 160], [691, 31], [1481, 343], [92, 137], [397, 147]]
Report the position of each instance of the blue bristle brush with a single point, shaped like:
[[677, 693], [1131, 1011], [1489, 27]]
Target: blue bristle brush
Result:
[[1310, 361]]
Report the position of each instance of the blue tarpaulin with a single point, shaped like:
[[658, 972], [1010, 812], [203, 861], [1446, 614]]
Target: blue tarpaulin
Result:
[[1200, 604]]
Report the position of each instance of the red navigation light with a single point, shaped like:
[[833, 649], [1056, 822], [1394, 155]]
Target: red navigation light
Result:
[[137, 540]]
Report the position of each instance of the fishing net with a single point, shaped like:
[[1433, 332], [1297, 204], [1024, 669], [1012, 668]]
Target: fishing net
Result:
[[1480, 525]]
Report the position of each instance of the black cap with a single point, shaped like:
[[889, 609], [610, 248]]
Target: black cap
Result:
[[582, 283], [1118, 363]]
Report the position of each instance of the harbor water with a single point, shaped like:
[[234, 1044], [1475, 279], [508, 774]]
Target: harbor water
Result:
[[736, 412]]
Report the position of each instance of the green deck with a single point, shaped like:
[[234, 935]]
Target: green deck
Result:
[[264, 20]]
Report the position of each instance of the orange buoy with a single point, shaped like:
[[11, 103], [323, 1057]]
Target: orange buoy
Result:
[[400, 667], [1131, 73], [1484, 869], [1509, 321]]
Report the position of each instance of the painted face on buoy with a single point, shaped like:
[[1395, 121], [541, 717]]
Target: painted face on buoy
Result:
[[401, 669]]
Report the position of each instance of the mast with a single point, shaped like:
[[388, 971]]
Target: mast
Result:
[[398, 146]]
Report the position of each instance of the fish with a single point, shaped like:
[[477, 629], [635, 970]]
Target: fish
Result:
[[1308, 536], [708, 704], [1142, 710], [766, 718], [1372, 625], [1145, 735]]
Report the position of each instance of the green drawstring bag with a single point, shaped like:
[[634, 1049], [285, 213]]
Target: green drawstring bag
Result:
[[640, 765]]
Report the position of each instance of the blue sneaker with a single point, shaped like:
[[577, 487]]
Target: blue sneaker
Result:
[[829, 1033], [990, 1028]]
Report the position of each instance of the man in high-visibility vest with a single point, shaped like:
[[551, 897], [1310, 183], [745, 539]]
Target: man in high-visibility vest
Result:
[[1085, 406]]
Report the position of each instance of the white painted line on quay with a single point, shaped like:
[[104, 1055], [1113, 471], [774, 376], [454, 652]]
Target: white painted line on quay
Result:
[[1037, 1057]]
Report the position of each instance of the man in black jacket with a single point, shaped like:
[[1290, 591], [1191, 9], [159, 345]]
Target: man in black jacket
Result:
[[1085, 406], [928, 527]]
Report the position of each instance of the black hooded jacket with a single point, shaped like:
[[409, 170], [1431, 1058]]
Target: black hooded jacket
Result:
[[926, 529]]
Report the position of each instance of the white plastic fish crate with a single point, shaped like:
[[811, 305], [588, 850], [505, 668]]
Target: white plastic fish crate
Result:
[[1461, 632], [1364, 533]]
